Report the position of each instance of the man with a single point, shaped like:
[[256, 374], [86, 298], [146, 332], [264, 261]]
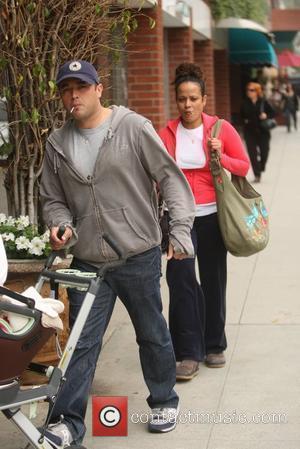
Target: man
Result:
[[100, 176]]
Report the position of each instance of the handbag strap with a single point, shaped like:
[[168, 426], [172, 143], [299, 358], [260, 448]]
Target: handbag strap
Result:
[[214, 160], [215, 131]]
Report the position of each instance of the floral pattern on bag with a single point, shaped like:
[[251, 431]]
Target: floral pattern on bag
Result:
[[257, 221]]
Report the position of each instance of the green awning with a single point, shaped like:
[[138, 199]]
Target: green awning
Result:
[[284, 40], [251, 47]]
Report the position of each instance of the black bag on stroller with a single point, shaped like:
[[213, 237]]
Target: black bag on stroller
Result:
[[17, 349]]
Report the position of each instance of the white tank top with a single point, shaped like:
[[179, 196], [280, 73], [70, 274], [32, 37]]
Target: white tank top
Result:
[[190, 154], [189, 147]]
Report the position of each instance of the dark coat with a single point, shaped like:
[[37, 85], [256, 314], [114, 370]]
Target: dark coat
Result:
[[250, 113]]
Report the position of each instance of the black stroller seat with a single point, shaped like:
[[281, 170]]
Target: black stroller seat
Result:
[[17, 349]]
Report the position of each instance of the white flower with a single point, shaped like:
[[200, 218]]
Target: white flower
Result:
[[8, 236], [2, 218], [22, 222], [36, 246], [46, 236], [10, 221], [22, 243]]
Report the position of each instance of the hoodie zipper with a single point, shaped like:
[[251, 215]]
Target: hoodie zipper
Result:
[[90, 180]]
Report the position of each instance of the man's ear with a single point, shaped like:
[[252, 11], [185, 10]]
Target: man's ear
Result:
[[99, 90]]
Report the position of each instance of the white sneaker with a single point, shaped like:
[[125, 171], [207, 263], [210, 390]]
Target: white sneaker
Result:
[[58, 435], [163, 419]]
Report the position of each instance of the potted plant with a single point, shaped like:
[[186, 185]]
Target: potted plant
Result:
[[22, 239]]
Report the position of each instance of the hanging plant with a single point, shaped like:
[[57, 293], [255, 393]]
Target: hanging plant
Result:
[[256, 10]]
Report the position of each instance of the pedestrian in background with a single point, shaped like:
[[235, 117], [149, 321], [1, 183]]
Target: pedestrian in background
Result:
[[290, 106], [100, 175], [197, 313], [254, 110]]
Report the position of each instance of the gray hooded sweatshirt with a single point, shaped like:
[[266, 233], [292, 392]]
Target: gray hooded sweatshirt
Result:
[[120, 199]]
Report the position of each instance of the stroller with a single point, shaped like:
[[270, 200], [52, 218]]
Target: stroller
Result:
[[18, 349]]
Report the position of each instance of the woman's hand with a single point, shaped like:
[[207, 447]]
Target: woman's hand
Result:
[[215, 144], [263, 116]]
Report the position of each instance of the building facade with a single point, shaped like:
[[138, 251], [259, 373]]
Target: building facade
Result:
[[182, 33]]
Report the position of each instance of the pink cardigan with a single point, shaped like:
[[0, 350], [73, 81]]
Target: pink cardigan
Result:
[[233, 156]]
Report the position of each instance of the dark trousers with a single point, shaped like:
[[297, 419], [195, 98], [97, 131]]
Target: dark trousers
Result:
[[289, 115], [258, 146], [197, 313]]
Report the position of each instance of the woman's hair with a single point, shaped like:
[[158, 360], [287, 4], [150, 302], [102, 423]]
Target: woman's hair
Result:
[[189, 72], [256, 87]]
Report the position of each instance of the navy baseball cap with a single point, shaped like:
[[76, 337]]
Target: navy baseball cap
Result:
[[80, 69]]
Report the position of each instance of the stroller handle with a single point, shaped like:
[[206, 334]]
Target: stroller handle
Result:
[[65, 278], [54, 254], [28, 301], [113, 245]]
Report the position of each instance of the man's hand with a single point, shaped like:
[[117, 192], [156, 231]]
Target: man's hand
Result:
[[56, 243], [177, 256]]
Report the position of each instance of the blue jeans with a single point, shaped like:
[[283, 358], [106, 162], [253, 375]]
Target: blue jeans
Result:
[[137, 284]]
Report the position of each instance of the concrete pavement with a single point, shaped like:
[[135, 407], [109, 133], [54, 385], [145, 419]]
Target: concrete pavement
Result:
[[252, 403]]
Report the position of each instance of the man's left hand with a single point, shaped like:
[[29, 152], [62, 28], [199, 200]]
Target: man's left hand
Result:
[[171, 254]]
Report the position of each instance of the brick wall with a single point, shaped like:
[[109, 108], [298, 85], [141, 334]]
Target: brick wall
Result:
[[285, 19], [222, 88], [204, 57], [145, 68], [181, 49]]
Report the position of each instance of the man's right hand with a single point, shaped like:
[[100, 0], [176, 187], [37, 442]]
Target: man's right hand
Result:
[[171, 254], [55, 242]]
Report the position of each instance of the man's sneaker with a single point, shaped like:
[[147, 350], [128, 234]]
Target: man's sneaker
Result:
[[187, 369], [163, 419], [215, 360], [58, 435]]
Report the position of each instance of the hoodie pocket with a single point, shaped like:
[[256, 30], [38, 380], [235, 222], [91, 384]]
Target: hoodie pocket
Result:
[[88, 245], [120, 225]]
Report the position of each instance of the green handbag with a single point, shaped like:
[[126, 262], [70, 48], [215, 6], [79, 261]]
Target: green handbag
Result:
[[242, 215]]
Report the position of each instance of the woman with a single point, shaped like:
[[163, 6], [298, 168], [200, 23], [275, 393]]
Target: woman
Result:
[[255, 109], [197, 315]]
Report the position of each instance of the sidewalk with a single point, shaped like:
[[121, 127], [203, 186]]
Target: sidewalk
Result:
[[260, 383]]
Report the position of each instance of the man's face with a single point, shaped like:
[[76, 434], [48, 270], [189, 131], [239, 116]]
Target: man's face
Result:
[[81, 98]]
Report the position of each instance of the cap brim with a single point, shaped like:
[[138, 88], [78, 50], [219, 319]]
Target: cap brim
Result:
[[80, 76]]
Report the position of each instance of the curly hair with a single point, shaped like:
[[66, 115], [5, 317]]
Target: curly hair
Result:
[[188, 71]]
